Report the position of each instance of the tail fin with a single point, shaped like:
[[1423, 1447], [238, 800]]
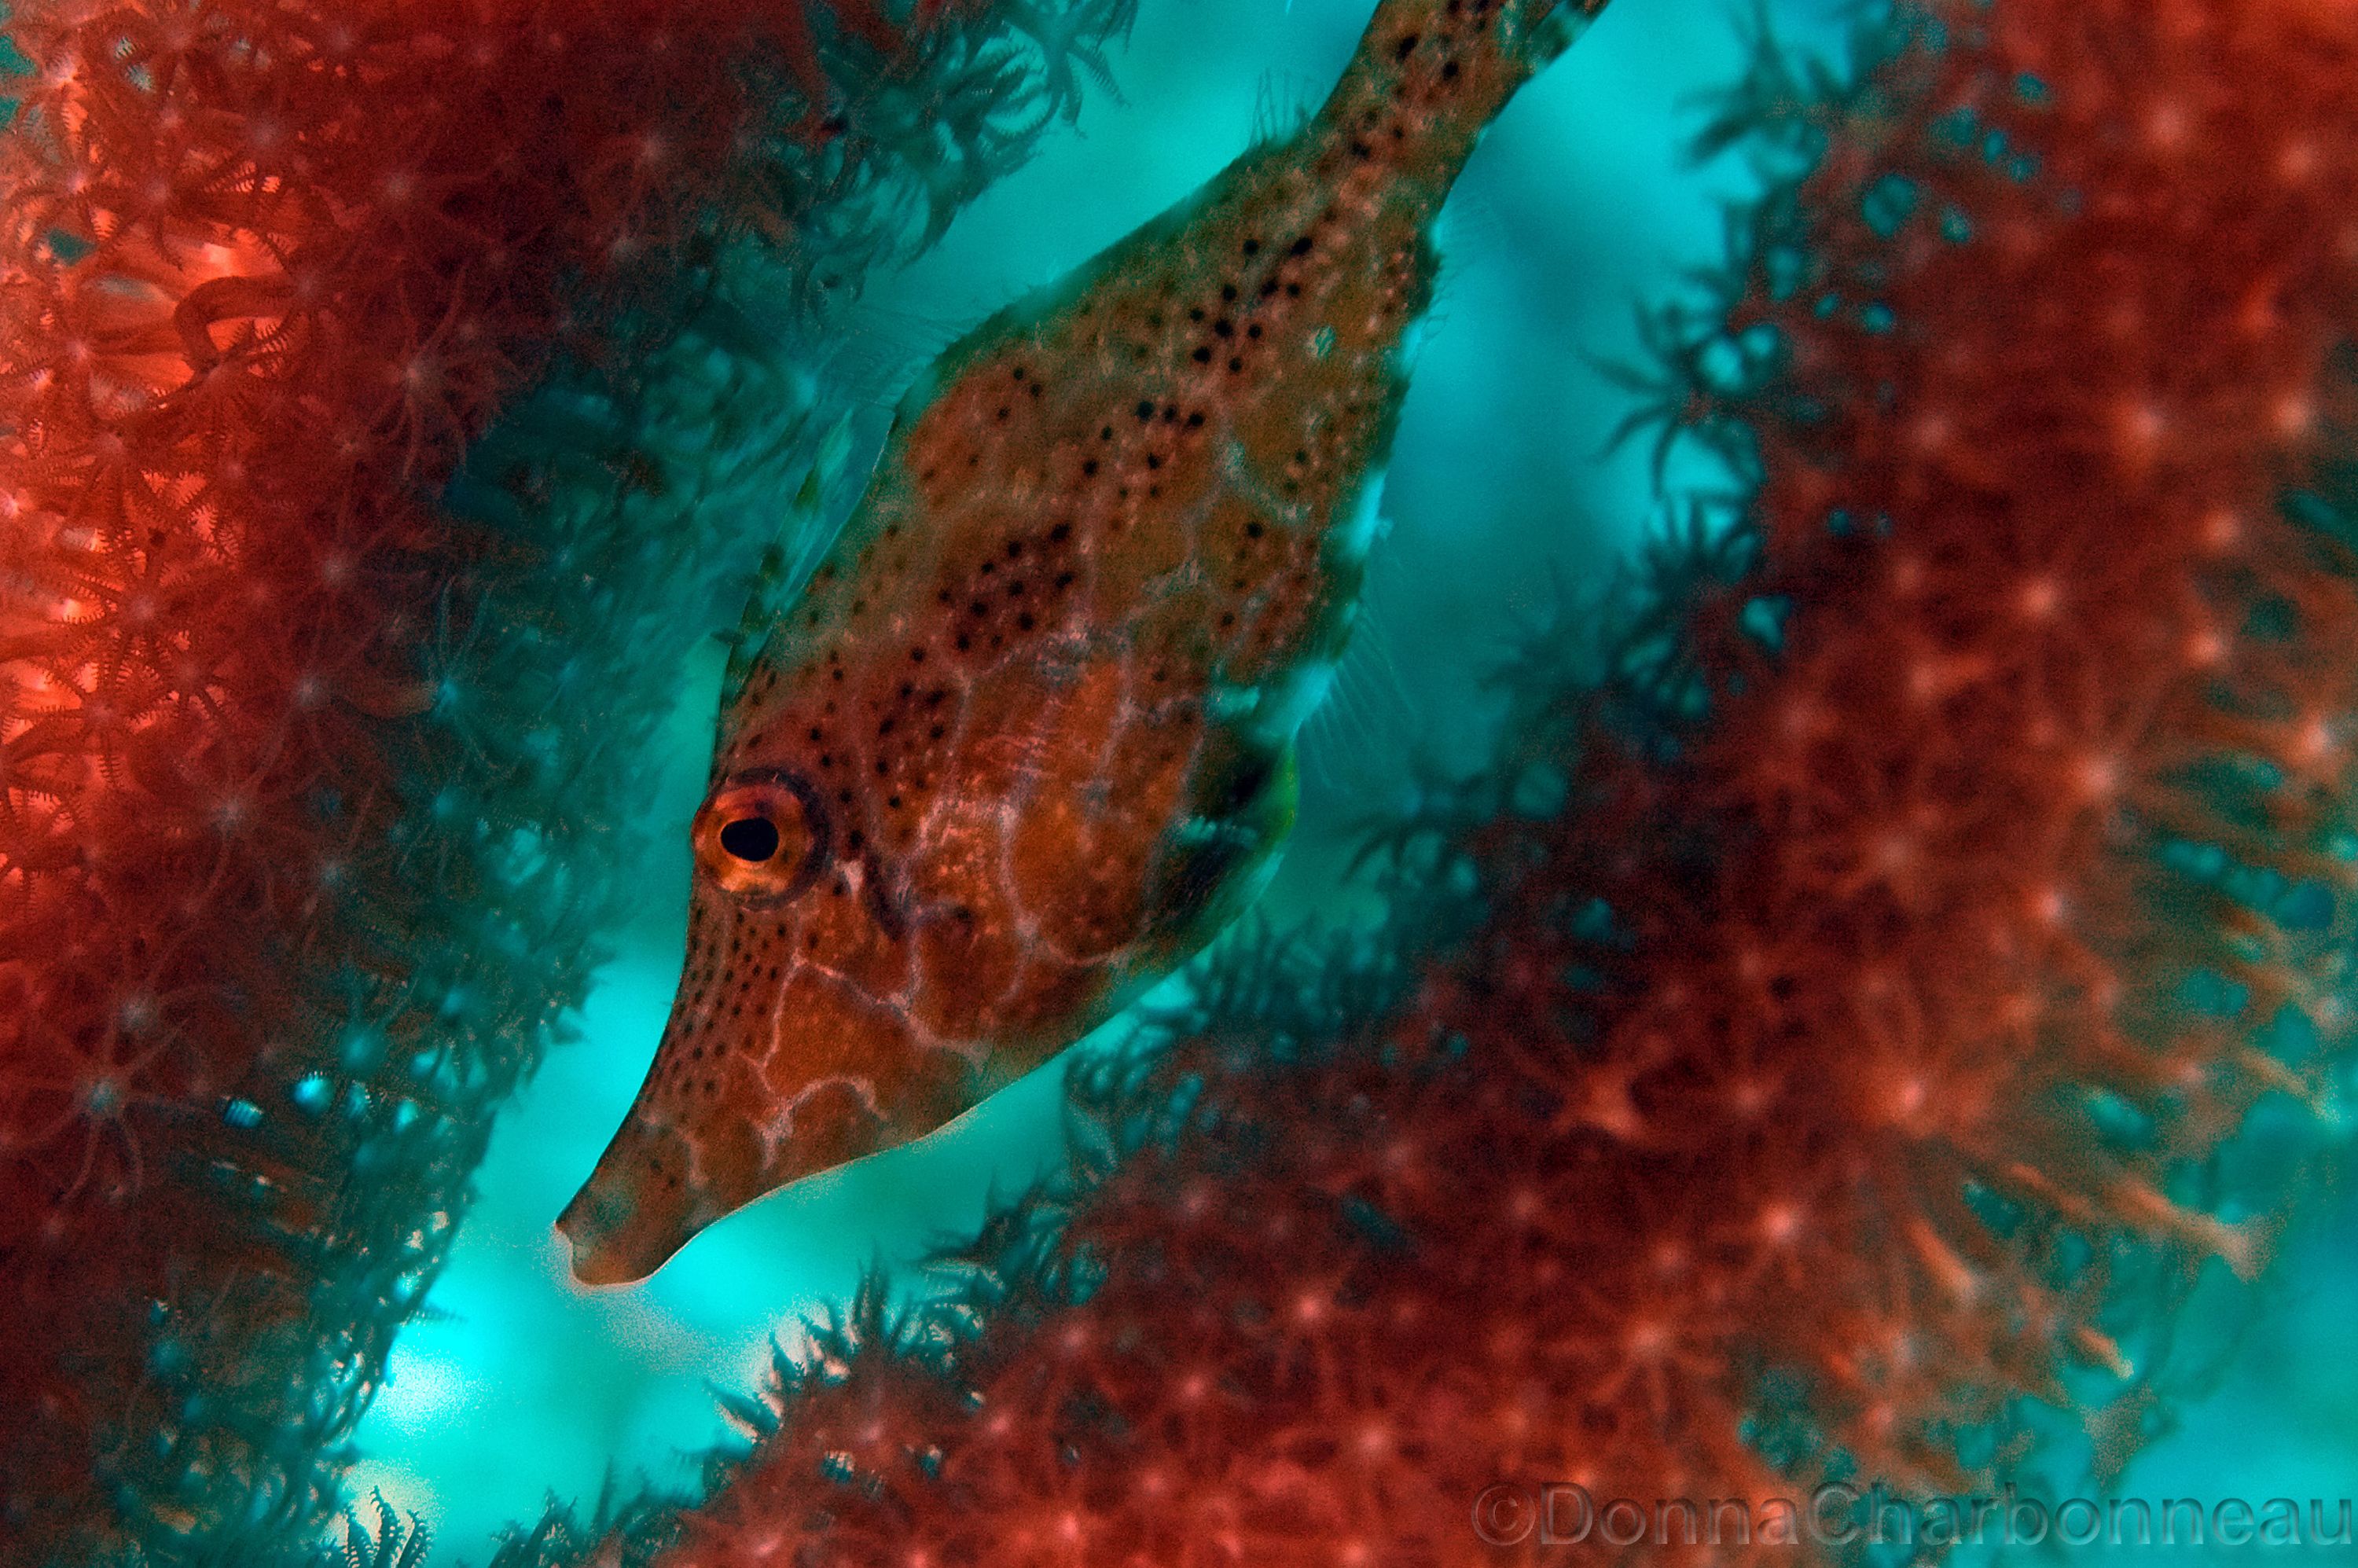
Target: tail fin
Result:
[[1430, 74]]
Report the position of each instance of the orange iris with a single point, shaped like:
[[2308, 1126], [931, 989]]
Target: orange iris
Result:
[[763, 837]]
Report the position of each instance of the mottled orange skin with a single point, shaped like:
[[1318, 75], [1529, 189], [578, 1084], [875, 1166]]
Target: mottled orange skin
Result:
[[1025, 743]]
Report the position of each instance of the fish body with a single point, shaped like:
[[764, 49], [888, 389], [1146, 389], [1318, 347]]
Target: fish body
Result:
[[1025, 743]]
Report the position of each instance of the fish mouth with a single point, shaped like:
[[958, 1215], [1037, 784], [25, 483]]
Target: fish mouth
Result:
[[697, 1146], [633, 1214]]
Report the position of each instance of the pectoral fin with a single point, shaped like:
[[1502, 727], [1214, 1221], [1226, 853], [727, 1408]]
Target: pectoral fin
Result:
[[1216, 861]]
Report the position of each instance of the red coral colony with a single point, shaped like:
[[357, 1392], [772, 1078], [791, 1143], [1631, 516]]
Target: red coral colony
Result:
[[376, 396], [1828, 1039]]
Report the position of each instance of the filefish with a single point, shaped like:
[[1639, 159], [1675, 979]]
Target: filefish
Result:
[[1025, 743]]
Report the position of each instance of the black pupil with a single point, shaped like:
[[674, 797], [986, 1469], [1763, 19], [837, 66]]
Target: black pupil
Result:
[[754, 838]]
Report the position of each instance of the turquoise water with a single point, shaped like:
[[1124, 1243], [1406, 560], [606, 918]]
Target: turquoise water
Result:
[[1577, 207]]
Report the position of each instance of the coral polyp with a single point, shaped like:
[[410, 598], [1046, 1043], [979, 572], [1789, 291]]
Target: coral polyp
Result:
[[379, 408]]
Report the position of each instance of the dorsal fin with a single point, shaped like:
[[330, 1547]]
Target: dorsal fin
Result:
[[787, 560], [1283, 104]]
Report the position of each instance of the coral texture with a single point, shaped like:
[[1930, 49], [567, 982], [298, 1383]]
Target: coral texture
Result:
[[389, 394], [1875, 963]]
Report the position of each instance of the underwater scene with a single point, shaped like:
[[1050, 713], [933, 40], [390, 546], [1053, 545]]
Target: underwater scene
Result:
[[1177, 782]]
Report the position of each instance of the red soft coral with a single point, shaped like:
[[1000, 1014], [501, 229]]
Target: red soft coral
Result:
[[268, 269]]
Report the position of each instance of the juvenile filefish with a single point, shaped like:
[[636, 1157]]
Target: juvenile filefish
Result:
[[1025, 743]]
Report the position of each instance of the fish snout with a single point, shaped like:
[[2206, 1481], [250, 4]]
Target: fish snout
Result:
[[633, 1212]]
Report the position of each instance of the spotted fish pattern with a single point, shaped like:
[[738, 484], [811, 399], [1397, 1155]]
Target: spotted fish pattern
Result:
[[1025, 743]]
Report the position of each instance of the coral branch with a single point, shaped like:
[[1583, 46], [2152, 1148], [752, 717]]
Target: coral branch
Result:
[[381, 417]]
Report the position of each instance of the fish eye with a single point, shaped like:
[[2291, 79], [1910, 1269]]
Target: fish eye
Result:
[[764, 836], [752, 840]]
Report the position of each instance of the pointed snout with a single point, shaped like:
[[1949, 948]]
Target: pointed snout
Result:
[[635, 1210], [734, 1108]]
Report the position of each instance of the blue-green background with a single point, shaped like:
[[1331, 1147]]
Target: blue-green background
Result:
[[1577, 207]]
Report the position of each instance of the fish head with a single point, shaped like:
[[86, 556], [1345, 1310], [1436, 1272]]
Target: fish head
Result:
[[785, 1053]]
